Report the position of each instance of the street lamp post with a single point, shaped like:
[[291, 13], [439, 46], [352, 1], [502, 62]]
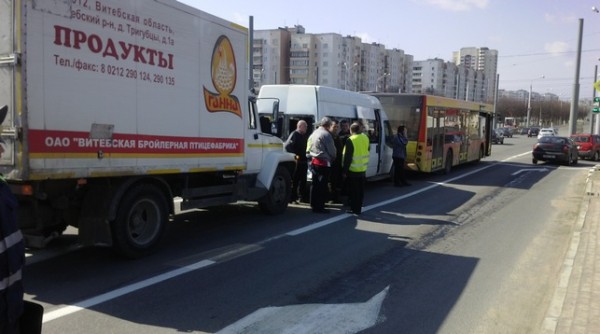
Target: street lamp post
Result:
[[377, 82], [529, 105], [540, 116], [575, 99], [592, 116], [529, 100], [595, 119], [347, 74]]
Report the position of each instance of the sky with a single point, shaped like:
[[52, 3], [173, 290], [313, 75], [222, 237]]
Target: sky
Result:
[[537, 40]]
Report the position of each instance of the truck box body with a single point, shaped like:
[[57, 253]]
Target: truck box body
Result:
[[107, 94], [111, 90]]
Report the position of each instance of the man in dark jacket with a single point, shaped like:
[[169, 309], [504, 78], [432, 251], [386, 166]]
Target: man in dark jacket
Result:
[[12, 260], [399, 156], [296, 143]]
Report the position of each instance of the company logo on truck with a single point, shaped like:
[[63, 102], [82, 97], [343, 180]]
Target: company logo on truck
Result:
[[224, 78]]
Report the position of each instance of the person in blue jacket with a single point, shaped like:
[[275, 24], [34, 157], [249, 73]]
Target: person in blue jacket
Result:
[[399, 156]]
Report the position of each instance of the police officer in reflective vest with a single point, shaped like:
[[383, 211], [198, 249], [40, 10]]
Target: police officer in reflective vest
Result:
[[356, 160]]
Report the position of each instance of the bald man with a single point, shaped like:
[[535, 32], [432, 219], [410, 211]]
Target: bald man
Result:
[[296, 144]]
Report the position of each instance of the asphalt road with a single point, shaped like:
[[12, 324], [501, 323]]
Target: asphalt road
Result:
[[477, 250]]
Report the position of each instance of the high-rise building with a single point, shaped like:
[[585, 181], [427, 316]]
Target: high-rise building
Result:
[[484, 60], [291, 56], [271, 55], [441, 78], [399, 69]]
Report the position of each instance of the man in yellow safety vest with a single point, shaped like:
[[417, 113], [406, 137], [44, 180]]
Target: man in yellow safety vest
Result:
[[354, 166]]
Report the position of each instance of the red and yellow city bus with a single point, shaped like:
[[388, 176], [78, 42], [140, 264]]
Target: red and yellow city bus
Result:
[[442, 132]]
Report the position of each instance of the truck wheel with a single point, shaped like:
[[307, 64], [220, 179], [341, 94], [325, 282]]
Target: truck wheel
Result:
[[140, 222], [277, 199]]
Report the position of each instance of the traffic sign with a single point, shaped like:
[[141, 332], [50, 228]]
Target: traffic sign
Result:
[[596, 108], [597, 85]]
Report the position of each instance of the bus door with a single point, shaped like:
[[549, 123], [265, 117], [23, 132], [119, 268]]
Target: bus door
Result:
[[435, 136], [486, 125], [370, 118], [457, 122], [464, 147]]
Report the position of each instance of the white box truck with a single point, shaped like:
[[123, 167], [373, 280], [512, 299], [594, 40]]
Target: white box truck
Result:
[[114, 108]]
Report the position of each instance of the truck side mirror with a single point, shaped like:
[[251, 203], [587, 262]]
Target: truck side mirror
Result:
[[3, 112]]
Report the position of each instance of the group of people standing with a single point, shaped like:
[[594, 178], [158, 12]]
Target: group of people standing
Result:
[[338, 156]]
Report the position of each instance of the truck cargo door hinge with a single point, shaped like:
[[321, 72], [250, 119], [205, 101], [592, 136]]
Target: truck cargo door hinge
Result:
[[9, 60]]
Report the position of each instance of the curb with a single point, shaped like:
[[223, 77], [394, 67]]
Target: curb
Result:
[[555, 309]]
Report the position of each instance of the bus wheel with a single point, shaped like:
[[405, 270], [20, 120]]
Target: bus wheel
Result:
[[140, 222], [448, 164], [480, 154]]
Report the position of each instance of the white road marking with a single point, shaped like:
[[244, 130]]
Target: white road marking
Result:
[[530, 170], [61, 312], [311, 318]]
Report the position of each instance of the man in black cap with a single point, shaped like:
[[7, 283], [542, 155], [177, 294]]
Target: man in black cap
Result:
[[322, 154]]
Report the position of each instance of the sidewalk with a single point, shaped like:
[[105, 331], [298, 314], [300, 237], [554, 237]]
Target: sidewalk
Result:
[[575, 307]]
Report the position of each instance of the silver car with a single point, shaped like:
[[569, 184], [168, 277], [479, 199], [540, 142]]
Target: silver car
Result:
[[546, 132]]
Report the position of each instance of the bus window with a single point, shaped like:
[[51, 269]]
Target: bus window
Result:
[[403, 110]]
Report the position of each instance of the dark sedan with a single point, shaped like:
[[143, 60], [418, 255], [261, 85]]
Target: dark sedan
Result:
[[556, 149], [533, 132], [497, 137], [507, 132]]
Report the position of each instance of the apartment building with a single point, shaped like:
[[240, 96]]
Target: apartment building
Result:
[[400, 72], [271, 55], [438, 77], [484, 60], [523, 95], [291, 56]]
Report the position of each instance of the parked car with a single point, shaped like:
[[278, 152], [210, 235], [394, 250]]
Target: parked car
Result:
[[588, 145], [523, 131], [533, 132], [546, 132], [497, 136], [556, 149], [507, 132]]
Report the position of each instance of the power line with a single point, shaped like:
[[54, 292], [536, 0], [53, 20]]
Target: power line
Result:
[[546, 53]]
